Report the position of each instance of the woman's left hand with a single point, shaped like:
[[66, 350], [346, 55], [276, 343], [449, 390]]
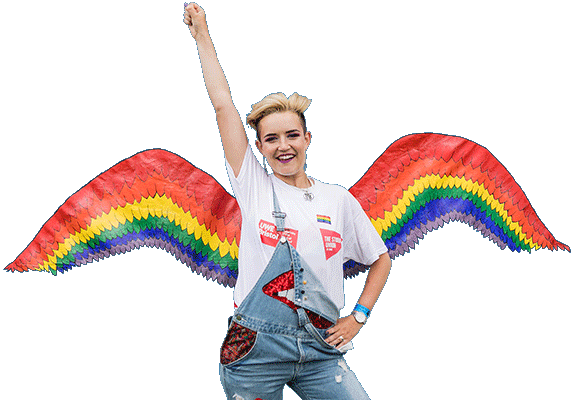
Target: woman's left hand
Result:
[[343, 332]]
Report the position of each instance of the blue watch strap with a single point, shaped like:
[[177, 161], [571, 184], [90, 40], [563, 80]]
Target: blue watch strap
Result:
[[363, 309]]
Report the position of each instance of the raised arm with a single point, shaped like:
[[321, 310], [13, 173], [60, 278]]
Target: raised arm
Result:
[[232, 133]]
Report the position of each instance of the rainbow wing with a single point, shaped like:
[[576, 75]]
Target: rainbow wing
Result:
[[158, 199], [424, 180], [154, 198]]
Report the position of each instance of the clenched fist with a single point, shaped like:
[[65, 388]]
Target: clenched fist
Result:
[[195, 18]]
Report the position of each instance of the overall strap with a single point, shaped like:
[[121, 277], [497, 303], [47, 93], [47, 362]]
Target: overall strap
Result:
[[278, 215]]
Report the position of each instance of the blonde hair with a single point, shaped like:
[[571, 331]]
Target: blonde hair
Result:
[[277, 102]]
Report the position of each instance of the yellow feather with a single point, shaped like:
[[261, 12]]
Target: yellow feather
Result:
[[410, 196], [214, 242], [68, 244], [119, 216], [130, 213], [401, 208], [419, 186], [406, 200], [113, 218], [223, 248], [187, 222], [144, 211], [234, 249], [205, 235], [390, 218], [105, 223], [136, 213], [94, 230]]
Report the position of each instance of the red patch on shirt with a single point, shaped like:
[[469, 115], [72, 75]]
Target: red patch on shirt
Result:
[[269, 235], [333, 242]]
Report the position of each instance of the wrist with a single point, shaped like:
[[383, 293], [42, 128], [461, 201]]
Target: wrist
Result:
[[202, 38], [361, 314]]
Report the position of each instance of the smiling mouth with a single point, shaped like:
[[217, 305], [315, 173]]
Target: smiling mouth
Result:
[[285, 158]]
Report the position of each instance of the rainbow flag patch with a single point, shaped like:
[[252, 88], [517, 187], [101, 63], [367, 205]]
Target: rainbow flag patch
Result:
[[324, 219]]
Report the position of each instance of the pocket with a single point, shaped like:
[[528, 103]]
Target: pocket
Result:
[[329, 348], [239, 341], [318, 321], [319, 336]]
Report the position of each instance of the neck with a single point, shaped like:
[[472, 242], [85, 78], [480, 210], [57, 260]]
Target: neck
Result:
[[299, 179]]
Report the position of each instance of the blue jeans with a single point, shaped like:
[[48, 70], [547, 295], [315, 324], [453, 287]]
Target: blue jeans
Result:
[[276, 360]]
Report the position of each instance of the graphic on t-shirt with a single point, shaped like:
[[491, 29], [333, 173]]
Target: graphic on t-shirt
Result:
[[269, 235], [324, 219], [333, 242]]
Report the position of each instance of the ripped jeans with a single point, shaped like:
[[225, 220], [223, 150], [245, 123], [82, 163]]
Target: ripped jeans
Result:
[[264, 363]]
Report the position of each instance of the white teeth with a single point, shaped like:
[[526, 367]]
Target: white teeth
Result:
[[289, 294], [287, 157]]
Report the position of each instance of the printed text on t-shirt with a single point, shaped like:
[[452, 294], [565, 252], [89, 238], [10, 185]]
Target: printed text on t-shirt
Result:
[[333, 242], [269, 235]]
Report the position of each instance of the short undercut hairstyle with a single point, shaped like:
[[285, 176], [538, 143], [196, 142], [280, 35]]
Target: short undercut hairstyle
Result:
[[278, 102]]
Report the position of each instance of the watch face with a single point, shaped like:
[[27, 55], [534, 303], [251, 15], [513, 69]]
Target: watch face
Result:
[[360, 317]]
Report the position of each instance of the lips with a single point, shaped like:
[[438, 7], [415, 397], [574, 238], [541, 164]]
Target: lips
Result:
[[285, 158], [282, 288]]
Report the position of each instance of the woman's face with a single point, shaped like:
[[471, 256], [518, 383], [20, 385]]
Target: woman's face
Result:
[[284, 143]]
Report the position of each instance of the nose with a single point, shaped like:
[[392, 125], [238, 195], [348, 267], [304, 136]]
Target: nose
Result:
[[283, 144]]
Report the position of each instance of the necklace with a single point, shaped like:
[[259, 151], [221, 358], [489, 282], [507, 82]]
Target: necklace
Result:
[[308, 195]]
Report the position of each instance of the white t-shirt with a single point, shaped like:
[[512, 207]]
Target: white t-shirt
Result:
[[327, 231]]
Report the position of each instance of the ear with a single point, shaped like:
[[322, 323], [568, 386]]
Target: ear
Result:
[[258, 145], [308, 138]]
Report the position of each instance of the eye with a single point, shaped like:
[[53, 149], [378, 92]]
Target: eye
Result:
[[270, 139], [293, 135]]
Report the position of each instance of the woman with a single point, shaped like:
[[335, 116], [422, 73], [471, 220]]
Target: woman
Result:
[[296, 233]]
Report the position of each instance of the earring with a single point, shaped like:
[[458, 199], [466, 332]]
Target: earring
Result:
[[264, 164]]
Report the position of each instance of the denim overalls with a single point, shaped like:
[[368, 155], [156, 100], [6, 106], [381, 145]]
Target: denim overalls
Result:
[[273, 344]]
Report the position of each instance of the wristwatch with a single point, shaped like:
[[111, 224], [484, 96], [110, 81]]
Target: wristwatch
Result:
[[361, 314], [360, 317]]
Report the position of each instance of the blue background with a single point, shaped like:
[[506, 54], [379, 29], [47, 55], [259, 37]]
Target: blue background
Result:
[[87, 84]]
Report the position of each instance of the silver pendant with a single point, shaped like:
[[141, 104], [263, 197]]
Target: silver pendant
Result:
[[308, 196]]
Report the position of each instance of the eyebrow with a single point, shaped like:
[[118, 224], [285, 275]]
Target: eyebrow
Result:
[[274, 133]]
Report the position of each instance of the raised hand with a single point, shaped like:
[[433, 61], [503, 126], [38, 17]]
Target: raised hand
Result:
[[195, 18]]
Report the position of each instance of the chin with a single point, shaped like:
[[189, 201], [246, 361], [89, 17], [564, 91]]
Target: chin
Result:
[[284, 173], [288, 172]]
